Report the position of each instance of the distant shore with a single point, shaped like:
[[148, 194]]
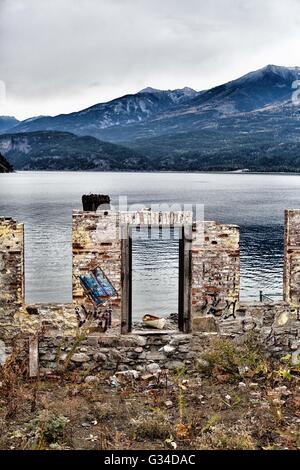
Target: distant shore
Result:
[[225, 172]]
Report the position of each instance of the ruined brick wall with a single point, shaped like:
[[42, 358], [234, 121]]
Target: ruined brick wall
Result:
[[96, 238], [96, 243], [277, 325], [11, 262], [47, 319], [11, 280], [215, 295], [291, 278], [215, 274]]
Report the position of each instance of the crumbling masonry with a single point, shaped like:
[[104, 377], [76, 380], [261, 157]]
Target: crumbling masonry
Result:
[[208, 292]]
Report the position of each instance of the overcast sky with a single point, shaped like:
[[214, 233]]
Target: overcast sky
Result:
[[64, 55]]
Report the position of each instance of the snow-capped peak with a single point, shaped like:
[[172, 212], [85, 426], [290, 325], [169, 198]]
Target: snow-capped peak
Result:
[[287, 74], [283, 72], [187, 91], [149, 89]]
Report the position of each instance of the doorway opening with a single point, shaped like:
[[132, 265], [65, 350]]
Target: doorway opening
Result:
[[156, 279]]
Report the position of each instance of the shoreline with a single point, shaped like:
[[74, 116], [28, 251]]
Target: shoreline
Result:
[[225, 172]]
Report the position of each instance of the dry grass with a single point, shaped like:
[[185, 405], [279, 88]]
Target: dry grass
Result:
[[239, 400], [152, 426], [221, 437], [245, 360]]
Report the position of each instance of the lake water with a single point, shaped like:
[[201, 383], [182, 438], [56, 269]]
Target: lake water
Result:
[[44, 201]]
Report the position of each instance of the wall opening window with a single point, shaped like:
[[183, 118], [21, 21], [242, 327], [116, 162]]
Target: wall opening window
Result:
[[48, 259], [262, 257], [156, 277]]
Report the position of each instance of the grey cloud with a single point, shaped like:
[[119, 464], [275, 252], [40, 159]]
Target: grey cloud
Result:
[[60, 55]]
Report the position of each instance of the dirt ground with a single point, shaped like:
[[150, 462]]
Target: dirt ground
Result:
[[234, 398]]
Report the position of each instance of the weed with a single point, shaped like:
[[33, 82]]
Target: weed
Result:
[[152, 426], [11, 375], [276, 410], [246, 359], [221, 437], [104, 412], [179, 377], [212, 420], [46, 428], [284, 373], [81, 334], [181, 430]]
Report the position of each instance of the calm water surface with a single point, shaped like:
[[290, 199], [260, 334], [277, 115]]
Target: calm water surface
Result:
[[44, 201]]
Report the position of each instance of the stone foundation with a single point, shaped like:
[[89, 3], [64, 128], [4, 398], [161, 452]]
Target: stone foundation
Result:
[[118, 352]]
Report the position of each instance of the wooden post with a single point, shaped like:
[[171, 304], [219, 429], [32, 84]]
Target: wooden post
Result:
[[33, 356], [185, 280], [126, 280]]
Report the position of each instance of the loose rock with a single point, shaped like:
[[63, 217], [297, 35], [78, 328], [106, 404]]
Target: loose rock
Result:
[[80, 357], [91, 379], [153, 367]]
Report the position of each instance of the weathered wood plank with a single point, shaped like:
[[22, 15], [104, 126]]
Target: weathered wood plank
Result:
[[126, 274], [33, 356], [187, 278]]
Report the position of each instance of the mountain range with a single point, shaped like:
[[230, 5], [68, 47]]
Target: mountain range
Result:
[[251, 122], [55, 150]]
